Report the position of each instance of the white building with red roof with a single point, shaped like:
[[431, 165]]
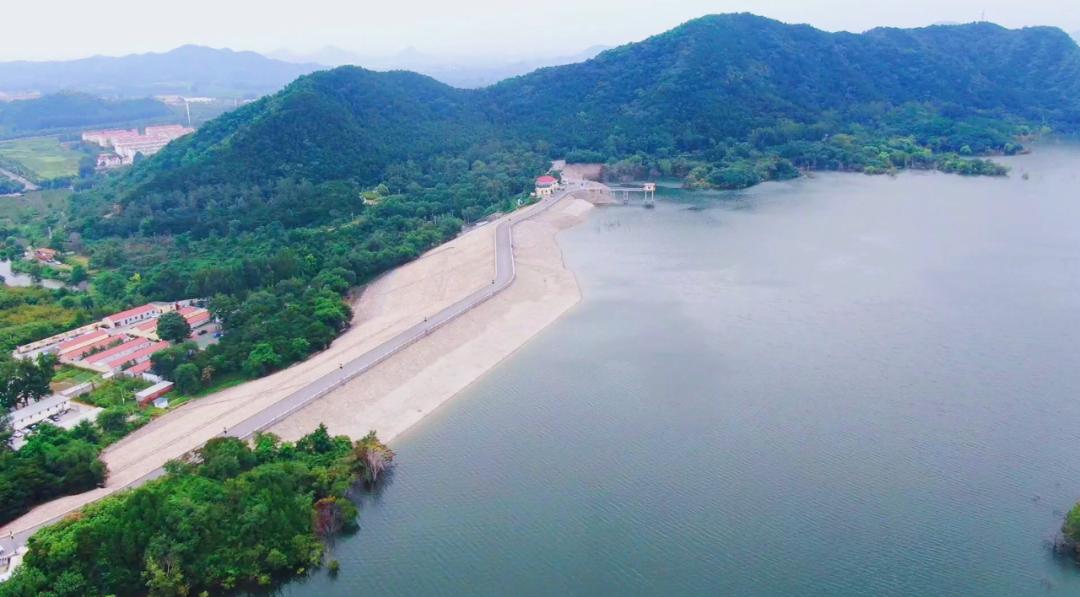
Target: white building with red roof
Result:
[[139, 369], [77, 354], [73, 346], [546, 185], [132, 316], [139, 356], [98, 359], [195, 316], [81, 341]]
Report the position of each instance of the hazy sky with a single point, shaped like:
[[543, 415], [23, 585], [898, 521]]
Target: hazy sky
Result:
[[45, 29]]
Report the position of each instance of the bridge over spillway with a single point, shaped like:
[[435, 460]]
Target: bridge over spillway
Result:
[[625, 193]]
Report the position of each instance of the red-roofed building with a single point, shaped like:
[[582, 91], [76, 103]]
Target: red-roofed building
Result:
[[97, 360], [80, 341], [77, 354], [139, 369], [132, 316], [45, 255], [195, 316], [137, 357], [546, 185]]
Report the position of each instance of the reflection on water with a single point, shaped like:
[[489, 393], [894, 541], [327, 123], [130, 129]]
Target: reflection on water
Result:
[[841, 386], [12, 278]]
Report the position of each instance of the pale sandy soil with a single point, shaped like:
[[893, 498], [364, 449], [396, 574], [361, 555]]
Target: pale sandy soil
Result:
[[396, 393], [579, 172]]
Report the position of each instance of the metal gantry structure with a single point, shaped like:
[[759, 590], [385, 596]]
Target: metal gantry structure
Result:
[[648, 193]]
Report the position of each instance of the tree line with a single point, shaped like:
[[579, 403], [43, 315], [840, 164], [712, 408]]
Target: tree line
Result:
[[231, 516]]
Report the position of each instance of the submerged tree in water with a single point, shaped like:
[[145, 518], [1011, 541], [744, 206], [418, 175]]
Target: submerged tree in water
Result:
[[372, 458]]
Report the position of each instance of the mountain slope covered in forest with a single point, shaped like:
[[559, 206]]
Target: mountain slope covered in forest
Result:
[[697, 91]]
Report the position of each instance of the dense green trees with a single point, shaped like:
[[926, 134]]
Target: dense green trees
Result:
[[67, 110], [1068, 542], [173, 327], [230, 517], [24, 380], [55, 462], [52, 463]]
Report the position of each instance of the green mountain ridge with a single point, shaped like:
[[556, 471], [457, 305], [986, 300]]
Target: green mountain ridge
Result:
[[711, 82]]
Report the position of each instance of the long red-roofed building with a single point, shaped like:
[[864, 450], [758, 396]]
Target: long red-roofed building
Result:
[[78, 354], [80, 341], [132, 316], [195, 316], [137, 357], [124, 349], [140, 368]]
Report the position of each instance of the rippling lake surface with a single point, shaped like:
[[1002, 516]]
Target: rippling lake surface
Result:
[[844, 385]]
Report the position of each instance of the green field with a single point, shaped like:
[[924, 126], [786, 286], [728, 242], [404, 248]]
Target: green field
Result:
[[68, 377], [33, 207], [46, 157]]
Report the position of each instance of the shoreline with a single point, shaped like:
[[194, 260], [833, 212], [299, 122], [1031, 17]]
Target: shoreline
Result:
[[394, 397], [390, 304]]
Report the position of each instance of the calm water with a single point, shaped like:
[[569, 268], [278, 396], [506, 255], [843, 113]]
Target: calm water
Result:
[[13, 278], [841, 386]]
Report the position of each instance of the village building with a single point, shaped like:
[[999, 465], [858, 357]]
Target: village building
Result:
[[138, 357], [75, 346], [139, 369], [132, 316], [128, 143], [154, 392], [100, 361], [196, 317], [80, 348], [45, 255], [108, 161], [38, 411], [546, 185]]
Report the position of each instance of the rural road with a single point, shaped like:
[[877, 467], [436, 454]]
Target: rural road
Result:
[[26, 183], [505, 272]]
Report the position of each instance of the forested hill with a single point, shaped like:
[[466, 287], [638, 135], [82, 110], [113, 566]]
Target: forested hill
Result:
[[344, 124], [724, 76], [67, 110], [695, 91]]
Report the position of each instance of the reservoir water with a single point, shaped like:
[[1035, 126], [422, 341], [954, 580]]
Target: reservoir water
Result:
[[843, 385], [13, 278]]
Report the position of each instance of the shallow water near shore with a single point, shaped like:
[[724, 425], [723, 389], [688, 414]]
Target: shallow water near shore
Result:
[[843, 385]]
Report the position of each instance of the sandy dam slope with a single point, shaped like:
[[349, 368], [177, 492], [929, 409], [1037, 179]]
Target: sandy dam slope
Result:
[[397, 392]]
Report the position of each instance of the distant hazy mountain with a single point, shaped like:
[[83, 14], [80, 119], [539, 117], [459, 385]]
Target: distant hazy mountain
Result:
[[191, 70], [458, 72], [1076, 35]]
